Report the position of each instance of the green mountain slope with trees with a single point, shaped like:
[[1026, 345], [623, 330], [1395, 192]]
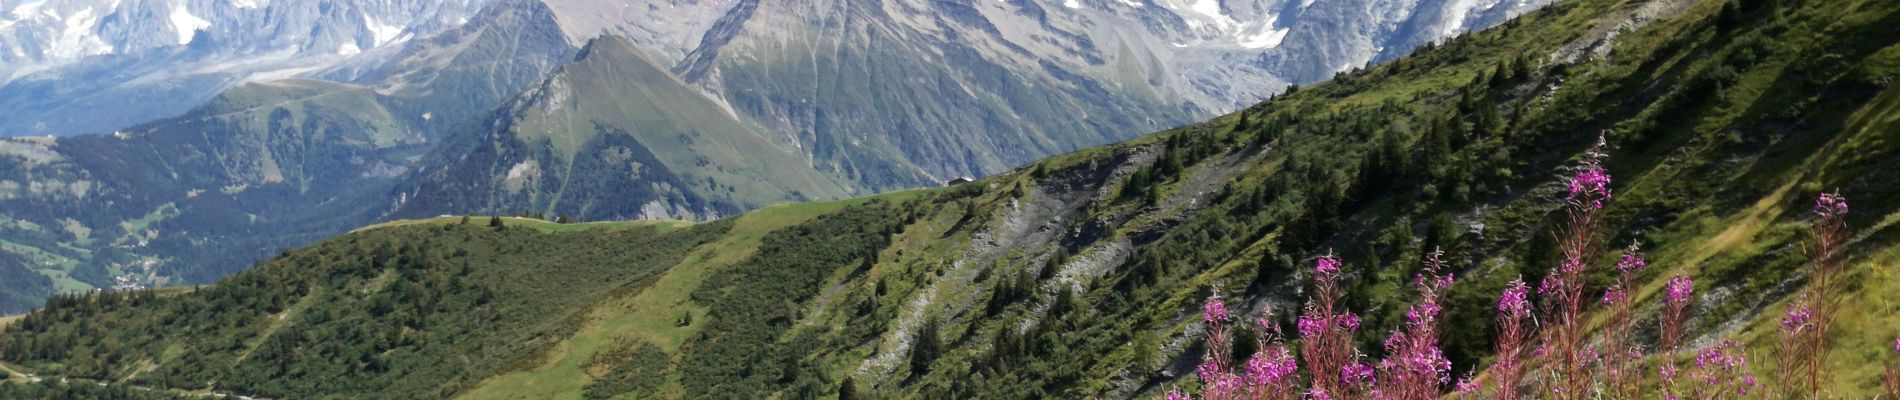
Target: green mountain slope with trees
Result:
[[260, 167], [614, 136], [1080, 275]]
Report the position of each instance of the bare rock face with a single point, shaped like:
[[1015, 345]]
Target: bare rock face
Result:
[[987, 85]]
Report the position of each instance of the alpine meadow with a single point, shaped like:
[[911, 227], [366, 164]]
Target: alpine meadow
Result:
[[1597, 199]]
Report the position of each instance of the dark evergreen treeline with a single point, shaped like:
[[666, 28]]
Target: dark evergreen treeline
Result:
[[403, 312]]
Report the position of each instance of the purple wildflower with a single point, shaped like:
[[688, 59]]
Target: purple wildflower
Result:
[[1467, 387], [1678, 290], [1326, 266], [1516, 300], [1214, 310], [1592, 186], [1356, 372], [1549, 286], [1349, 321], [1615, 296], [1311, 327], [1799, 319], [1272, 367], [1830, 205], [1175, 394], [1632, 261]]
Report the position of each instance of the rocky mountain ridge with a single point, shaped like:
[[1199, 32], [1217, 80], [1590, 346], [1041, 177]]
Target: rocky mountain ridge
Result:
[[72, 67]]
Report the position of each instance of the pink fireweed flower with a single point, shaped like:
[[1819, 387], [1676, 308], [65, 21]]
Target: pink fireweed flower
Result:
[[1678, 290], [1326, 266], [1591, 187], [1175, 394], [1349, 321], [1423, 313], [1570, 266], [1274, 366], [1395, 342], [1615, 296], [1515, 301], [1799, 319], [1214, 310], [1356, 373], [1310, 326], [1467, 387], [1720, 370], [1550, 285], [1632, 261], [1830, 205]]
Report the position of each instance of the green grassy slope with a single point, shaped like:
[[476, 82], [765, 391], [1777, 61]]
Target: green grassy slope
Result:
[[1079, 276], [362, 294], [615, 136]]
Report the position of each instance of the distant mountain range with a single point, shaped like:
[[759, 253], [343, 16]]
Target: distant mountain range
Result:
[[223, 131], [93, 66]]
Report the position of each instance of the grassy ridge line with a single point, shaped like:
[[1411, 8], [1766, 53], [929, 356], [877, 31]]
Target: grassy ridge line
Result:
[[536, 223], [650, 315]]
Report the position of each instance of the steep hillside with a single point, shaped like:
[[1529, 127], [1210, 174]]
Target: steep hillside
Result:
[[260, 167], [614, 136], [1079, 276], [26, 288], [716, 108]]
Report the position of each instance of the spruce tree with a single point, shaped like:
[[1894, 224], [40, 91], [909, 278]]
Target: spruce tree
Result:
[[848, 390], [927, 347]]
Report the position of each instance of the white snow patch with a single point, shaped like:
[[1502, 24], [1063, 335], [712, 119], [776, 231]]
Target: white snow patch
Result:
[[1265, 39], [383, 33], [27, 10], [76, 39], [1213, 25], [1458, 12], [246, 4], [1209, 8], [348, 49], [185, 24], [1072, 4]]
